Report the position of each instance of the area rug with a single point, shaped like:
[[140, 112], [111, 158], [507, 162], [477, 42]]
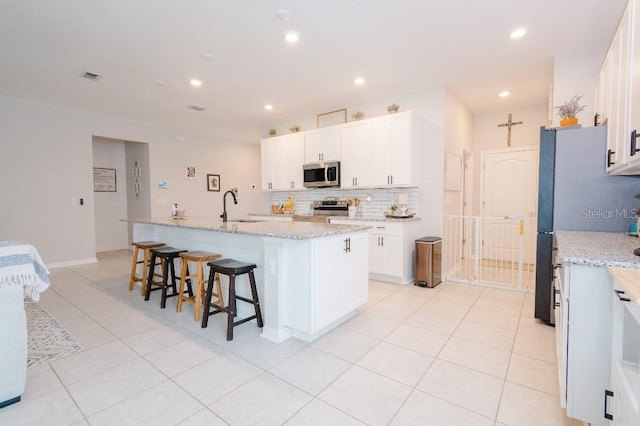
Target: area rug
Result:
[[46, 338]]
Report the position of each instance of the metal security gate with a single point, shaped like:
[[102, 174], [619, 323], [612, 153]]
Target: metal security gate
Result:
[[490, 251]]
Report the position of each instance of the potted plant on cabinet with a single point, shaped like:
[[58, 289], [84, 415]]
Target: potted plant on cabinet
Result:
[[568, 111]]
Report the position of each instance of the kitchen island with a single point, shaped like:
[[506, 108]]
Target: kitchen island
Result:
[[310, 276]]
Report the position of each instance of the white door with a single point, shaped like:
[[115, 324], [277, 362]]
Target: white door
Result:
[[509, 189]]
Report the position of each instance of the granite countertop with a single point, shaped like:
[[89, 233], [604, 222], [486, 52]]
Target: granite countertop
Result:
[[357, 218], [287, 230], [377, 219], [600, 249]]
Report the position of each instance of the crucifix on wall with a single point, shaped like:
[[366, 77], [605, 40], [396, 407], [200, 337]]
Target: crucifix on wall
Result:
[[508, 125]]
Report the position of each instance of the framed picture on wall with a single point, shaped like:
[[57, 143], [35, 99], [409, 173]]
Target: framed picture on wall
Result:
[[190, 171], [213, 183], [331, 118], [104, 180]]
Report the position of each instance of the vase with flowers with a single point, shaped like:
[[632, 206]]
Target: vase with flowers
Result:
[[568, 111]]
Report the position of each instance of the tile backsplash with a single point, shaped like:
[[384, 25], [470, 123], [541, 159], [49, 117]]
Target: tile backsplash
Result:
[[373, 201]]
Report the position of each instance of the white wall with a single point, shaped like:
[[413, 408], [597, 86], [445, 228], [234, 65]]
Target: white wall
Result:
[[111, 207], [137, 205], [458, 139], [47, 160], [576, 73], [487, 136]]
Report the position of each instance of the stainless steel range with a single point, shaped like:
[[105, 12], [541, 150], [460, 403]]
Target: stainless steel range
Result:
[[331, 206], [322, 209]]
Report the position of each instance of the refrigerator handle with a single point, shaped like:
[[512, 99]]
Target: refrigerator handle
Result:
[[634, 138], [609, 154]]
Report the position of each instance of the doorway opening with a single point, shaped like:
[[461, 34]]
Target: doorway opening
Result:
[[127, 194], [497, 247]]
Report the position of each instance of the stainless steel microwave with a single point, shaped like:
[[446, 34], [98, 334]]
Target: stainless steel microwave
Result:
[[322, 175]]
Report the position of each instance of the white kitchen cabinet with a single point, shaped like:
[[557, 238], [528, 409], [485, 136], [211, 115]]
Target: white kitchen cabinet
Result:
[[618, 94], [322, 144], [355, 167], [385, 250], [624, 399], [585, 327], [391, 248], [392, 146], [282, 159], [337, 285], [266, 153]]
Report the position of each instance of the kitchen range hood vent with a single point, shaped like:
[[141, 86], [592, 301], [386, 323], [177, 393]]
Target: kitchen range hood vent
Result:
[[91, 76], [196, 107]]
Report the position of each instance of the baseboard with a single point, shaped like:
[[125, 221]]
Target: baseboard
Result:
[[72, 263]]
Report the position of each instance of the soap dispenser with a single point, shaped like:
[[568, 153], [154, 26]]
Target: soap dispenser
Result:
[[174, 210]]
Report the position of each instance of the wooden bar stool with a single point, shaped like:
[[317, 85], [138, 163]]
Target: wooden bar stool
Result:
[[146, 246], [199, 257], [232, 268], [168, 255]]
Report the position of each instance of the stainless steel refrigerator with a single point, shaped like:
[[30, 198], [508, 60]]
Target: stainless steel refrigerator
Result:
[[576, 194]]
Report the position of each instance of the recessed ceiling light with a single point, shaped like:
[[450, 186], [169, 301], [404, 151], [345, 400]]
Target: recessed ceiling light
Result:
[[504, 94], [196, 83], [518, 33], [160, 82], [292, 37], [268, 107], [359, 81], [196, 107], [283, 15], [208, 56]]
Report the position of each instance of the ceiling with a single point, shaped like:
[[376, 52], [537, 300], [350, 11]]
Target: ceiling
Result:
[[236, 48]]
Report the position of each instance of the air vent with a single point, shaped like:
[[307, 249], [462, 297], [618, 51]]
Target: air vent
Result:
[[91, 76], [196, 107]]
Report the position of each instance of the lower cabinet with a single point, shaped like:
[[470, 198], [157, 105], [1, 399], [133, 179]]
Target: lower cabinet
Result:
[[330, 287], [585, 327], [337, 262], [623, 397], [391, 248]]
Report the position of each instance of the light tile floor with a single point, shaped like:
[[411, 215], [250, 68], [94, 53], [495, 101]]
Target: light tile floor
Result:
[[452, 355]]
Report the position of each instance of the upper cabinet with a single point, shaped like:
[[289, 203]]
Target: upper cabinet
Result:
[[617, 95], [282, 159], [392, 146], [378, 152], [355, 162], [322, 144]]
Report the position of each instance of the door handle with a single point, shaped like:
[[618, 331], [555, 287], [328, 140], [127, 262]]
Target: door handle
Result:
[[609, 154], [634, 138]]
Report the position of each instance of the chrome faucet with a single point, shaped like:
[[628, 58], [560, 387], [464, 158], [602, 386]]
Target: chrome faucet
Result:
[[224, 204]]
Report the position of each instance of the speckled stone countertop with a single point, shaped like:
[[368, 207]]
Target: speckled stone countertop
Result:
[[600, 249], [288, 230], [357, 218]]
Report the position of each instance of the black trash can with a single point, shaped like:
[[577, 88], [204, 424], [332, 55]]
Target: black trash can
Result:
[[428, 262]]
